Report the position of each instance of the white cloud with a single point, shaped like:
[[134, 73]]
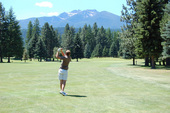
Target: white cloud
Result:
[[44, 4]]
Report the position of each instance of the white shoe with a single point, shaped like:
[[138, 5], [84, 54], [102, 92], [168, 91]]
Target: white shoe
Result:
[[63, 93]]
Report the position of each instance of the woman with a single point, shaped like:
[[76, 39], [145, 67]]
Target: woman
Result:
[[63, 71]]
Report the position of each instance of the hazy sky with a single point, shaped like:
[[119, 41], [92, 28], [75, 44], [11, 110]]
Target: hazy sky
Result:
[[36, 8]]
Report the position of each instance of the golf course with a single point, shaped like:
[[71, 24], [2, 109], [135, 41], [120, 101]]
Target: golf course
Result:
[[97, 85]]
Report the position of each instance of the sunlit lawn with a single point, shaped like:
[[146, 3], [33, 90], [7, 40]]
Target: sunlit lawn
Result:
[[100, 85]]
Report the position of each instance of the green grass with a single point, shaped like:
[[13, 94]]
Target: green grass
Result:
[[100, 85]]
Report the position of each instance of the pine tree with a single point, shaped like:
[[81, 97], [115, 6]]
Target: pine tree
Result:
[[53, 41], [83, 35], [46, 35], [25, 55], [29, 32], [101, 37], [15, 43], [55, 49], [68, 39], [90, 38], [149, 15], [105, 52], [58, 38], [165, 34], [78, 50], [34, 39], [40, 50], [97, 52], [87, 52], [127, 35], [95, 29], [3, 32], [109, 37], [113, 52]]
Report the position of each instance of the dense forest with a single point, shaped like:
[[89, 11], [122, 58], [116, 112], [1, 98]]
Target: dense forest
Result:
[[85, 43], [145, 34]]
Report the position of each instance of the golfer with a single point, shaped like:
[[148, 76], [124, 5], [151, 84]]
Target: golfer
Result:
[[63, 71]]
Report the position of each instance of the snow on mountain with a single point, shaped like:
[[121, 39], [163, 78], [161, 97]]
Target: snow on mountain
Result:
[[78, 18]]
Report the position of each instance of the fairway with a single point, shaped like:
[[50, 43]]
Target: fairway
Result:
[[99, 85]]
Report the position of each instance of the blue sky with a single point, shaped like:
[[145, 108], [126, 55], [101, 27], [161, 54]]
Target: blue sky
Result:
[[37, 8]]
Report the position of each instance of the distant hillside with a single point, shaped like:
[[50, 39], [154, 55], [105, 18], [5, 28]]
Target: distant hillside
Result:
[[78, 18]]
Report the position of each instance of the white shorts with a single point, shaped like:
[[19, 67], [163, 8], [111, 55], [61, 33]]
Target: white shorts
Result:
[[62, 74]]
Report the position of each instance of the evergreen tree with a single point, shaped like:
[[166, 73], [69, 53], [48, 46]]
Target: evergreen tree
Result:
[[46, 35], [55, 49], [53, 40], [97, 52], [56, 35], [149, 15], [87, 52], [29, 32], [34, 39], [67, 28], [3, 32], [165, 34], [25, 55], [83, 35], [58, 38], [166, 43], [64, 35], [15, 43], [78, 50], [105, 52], [68, 38], [113, 52], [128, 35], [109, 37], [101, 38], [95, 29], [90, 38], [40, 50]]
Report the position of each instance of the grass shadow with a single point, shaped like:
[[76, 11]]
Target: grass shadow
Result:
[[149, 67], [76, 96]]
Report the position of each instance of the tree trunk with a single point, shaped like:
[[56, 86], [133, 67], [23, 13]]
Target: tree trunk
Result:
[[133, 60], [164, 62], [147, 61], [153, 62], [53, 59], [8, 59], [1, 59], [77, 59], [167, 61]]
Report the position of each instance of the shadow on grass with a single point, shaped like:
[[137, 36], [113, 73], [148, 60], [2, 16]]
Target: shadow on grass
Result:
[[148, 67], [76, 96]]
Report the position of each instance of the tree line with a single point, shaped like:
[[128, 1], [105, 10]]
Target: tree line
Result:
[[146, 31], [87, 42], [145, 34]]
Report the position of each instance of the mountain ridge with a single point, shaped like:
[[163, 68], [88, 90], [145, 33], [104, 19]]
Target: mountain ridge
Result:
[[78, 18]]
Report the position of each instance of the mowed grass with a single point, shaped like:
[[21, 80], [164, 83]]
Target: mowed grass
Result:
[[100, 85]]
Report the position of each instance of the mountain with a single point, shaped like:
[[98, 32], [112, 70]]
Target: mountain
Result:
[[78, 18]]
